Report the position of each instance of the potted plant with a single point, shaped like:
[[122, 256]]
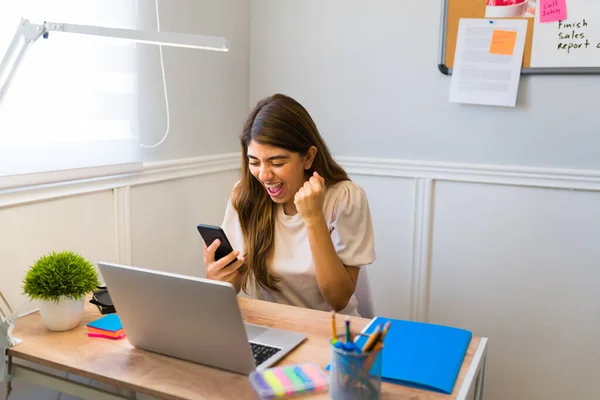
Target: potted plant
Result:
[[60, 281]]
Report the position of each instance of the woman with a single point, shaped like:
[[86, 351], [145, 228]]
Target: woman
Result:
[[303, 229]]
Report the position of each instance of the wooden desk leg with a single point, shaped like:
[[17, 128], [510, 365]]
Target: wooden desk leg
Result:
[[480, 380]]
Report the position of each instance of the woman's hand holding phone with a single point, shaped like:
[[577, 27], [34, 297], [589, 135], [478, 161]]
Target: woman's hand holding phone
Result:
[[225, 269]]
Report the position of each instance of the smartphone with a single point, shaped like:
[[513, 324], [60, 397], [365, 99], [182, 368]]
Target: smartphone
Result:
[[209, 233]]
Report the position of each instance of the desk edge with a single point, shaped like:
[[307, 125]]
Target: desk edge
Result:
[[473, 370]]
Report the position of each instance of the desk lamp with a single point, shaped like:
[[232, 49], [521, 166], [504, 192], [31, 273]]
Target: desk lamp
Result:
[[27, 33]]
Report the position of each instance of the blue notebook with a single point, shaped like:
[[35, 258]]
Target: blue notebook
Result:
[[421, 355]]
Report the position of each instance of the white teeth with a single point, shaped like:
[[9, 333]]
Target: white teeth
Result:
[[273, 186]]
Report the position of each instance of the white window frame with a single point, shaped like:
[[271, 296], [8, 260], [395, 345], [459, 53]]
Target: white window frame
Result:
[[116, 165]]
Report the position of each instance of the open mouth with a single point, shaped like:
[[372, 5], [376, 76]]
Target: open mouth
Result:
[[274, 189]]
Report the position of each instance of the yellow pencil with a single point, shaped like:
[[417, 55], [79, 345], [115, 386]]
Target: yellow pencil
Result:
[[333, 330], [386, 327], [378, 346], [369, 361], [372, 339]]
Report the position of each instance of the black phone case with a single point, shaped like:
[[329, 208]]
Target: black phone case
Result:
[[209, 233]]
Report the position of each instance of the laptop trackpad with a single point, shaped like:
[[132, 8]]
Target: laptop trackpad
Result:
[[254, 331]]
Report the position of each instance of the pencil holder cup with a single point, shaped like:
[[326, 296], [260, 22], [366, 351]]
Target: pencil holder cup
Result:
[[354, 374]]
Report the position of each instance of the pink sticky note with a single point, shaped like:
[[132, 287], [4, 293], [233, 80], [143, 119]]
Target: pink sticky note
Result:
[[90, 334], [553, 10]]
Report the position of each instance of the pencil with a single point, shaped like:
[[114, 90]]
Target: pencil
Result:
[[348, 340], [369, 361], [378, 346], [373, 338], [386, 327], [333, 330]]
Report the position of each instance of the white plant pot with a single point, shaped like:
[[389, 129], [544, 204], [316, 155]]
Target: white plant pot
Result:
[[62, 316]]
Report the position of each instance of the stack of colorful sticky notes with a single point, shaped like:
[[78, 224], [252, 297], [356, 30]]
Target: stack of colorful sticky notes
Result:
[[108, 327]]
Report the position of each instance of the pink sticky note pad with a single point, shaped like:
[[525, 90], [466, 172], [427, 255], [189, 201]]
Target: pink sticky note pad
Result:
[[105, 337], [553, 10]]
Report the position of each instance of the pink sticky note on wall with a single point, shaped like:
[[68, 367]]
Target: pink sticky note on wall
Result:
[[553, 10]]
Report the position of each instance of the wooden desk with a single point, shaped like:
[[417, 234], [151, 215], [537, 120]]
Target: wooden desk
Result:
[[120, 364]]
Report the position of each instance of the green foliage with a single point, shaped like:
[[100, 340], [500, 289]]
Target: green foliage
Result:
[[60, 274]]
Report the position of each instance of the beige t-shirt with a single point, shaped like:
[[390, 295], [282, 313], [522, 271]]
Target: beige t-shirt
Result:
[[346, 210]]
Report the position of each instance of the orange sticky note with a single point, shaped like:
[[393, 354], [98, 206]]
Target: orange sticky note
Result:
[[503, 42]]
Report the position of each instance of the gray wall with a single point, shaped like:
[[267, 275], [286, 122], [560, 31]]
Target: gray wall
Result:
[[367, 72], [207, 90]]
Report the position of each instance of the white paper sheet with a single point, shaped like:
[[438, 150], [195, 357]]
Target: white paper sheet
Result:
[[479, 76]]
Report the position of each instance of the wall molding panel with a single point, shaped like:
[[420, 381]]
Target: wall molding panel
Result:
[[151, 172], [180, 168], [425, 175], [421, 251], [475, 173], [122, 223]]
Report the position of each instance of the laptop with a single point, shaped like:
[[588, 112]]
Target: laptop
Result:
[[194, 319]]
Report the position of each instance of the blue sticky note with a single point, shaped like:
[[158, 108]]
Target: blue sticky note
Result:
[[110, 322]]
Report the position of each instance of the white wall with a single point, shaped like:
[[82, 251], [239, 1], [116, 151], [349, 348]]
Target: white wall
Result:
[[207, 90], [368, 70], [490, 227], [83, 223], [522, 266], [164, 218]]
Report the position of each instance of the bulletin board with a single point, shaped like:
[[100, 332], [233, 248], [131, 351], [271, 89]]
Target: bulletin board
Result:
[[571, 46]]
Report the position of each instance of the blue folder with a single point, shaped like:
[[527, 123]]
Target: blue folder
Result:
[[422, 355]]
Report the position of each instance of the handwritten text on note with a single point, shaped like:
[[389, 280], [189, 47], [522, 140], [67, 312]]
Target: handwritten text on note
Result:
[[503, 42], [553, 10]]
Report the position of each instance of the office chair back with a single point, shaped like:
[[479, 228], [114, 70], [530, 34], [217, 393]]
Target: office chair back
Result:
[[363, 295]]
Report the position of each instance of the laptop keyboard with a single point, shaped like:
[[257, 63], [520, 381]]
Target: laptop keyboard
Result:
[[262, 352]]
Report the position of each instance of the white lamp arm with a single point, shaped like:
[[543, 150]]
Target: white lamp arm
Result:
[[8, 316], [6, 309], [173, 39], [27, 33]]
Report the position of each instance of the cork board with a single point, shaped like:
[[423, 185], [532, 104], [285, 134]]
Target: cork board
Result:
[[571, 46]]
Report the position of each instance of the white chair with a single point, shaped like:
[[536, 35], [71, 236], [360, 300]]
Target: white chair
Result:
[[363, 295]]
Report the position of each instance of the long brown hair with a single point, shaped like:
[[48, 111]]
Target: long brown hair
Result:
[[278, 121]]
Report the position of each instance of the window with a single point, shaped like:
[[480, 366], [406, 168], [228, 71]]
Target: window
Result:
[[71, 105]]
